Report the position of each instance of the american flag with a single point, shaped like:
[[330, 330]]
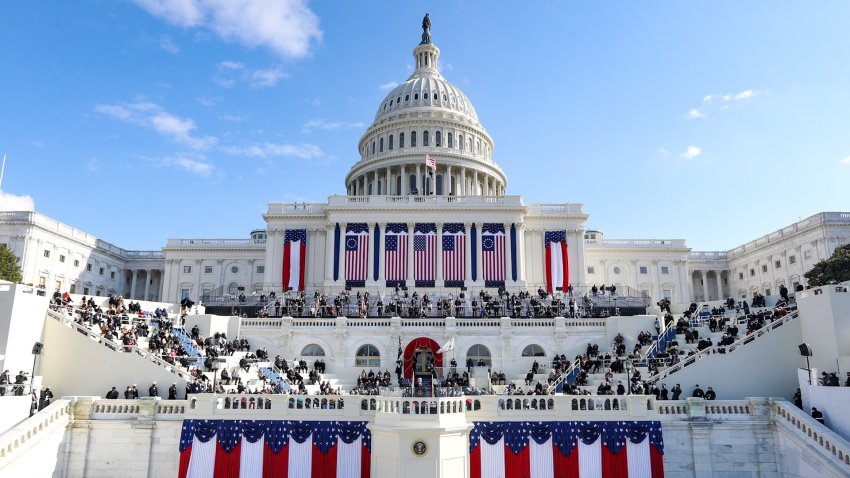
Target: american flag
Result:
[[430, 162], [454, 254], [425, 254], [356, 253], [493, 254], [395, 253]]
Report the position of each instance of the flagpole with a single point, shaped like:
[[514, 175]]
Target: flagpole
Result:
[[2, 170]]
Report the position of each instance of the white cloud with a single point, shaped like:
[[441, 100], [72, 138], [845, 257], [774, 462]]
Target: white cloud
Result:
[[230, 65], [695, 114], [194, 164], [325, 125], [275, 150], [167, 44], [207, 101], [11, 202], [387, 86], [153, 116], [845, 161], [691, 152], [663, 151], [287, 27], [746, 94], [266, 78], [232, 117], [727, 97]]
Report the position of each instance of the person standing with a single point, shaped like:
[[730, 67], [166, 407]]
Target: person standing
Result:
[[677, 391]]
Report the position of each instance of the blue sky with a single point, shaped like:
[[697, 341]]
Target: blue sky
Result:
[[712, 121]]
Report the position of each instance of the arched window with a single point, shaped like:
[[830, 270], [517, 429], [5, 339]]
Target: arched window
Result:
[[415, 96], [381, 146], [398, 100], [398, 185], [425, 96], [413, 139], [438, 139], [412, 183], [391, 142], [533, 350], [369, 193], [367, 356], [379, 187], [460, 141], [479, 353], [373, 147], [425, 138], [449, 139], [401, 140], [233, 288], [406, 97], [439, 185], [313, 350]]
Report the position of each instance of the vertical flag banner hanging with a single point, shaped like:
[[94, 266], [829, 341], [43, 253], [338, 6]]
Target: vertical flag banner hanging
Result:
[[425, 254], [566, 449], [557, 262], [454, 254], [493, 254], [473, 237], [395, 254], [514, 255], [294, 258], [336, 252], [265, 448], [376, 253], [356, 254]]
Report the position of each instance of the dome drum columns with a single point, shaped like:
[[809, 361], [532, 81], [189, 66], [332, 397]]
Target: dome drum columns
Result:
[[449, 180]]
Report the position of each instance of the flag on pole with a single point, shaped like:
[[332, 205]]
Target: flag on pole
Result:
[[557, 270], [294, 258], [450, 345], [454, 254], [493, 254], [554, 449], [425, 254], [260, 448], [430, 162], [395, 254], [356, 254]]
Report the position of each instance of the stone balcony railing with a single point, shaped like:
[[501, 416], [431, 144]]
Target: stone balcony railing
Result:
[[338, 323], [216, 243]]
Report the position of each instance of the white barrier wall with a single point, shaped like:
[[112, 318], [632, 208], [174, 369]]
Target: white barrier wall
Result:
[[74, 364], [825, 315], [21, 325]]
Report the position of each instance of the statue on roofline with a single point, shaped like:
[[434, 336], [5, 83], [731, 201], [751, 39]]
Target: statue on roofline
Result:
[[426, 30]]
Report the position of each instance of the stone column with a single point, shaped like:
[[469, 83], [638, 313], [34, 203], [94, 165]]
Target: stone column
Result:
[[329, 253], [419, 190], [147, 283], [439, 251], [410, 226], [508, 256], [719, 285], [462, 185], [447, 181], [404, 182], [520, 250], [475, 190], [704, 278], [133, 285]]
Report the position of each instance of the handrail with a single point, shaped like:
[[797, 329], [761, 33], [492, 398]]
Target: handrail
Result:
[[563, 376], [54, 416], [814, 434], [118, 347], [743, 340]]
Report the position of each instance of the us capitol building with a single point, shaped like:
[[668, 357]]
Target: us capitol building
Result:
[[390, 193], [424, 210]]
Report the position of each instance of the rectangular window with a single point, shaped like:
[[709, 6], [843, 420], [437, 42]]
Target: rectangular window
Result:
[[101, 271], [261, 269], [590, 270], [792, 259], [187, 269], [667, 293], [643, 270], [777, 264], [807, 255], [76, 263], [85, 291], [767, 292], [665, 270], [764, 268], [644, 293], [752, 272], [184, 293], [112, 275], [57, 285], [205, 295], [207, 269], [46, 253], [73, 289], [61, 258], [88, 267], [740, 276]]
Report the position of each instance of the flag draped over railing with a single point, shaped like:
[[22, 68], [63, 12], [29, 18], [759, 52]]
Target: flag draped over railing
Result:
[[556, 262], [395, 254], [294, 258], [493, 254], [561, 449], [356, 254], [454, 254], [425, 254], [265, 448]]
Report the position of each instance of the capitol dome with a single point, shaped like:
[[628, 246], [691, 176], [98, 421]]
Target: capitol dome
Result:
[[426, 116]]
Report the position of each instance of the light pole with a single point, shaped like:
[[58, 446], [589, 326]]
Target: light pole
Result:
[[628, 366]]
